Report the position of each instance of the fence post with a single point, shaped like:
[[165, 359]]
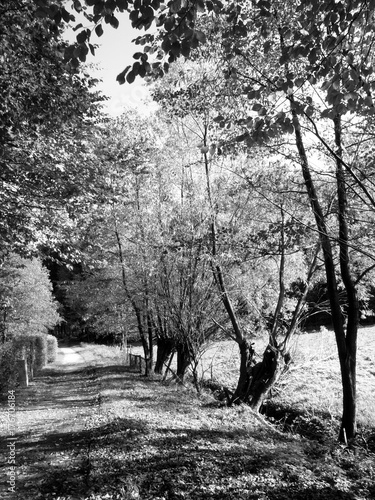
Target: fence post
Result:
[[23, 377]]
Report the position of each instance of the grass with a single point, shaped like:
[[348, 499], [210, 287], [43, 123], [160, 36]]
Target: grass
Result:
[[313, 383], [103, 432]]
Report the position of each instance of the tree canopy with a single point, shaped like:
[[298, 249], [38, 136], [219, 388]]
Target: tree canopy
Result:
[[45, 108]]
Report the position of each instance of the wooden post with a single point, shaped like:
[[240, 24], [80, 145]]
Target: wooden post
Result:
[[23, 378]]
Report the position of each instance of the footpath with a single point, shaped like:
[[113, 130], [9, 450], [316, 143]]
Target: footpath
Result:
[[51, 425]]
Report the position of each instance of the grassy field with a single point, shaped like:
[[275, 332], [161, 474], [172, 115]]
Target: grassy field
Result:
[[102, 432], [313, 383]]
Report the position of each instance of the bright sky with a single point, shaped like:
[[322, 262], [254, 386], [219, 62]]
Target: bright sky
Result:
[[114, 53]]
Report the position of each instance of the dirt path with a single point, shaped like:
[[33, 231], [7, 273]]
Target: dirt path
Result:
[[67, 357], [54, 416]]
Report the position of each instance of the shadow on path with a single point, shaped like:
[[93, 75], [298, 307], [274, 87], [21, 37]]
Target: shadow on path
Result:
[[54, 418]]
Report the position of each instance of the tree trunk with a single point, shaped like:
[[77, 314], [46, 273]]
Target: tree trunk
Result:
[[348, 427], [264, 376], [246, 360], [146, 341], [348, 344], [346, 340], [183, 362], [165, 347], [255, 381]]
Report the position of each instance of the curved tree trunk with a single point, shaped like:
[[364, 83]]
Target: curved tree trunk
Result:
[[265, 374], [255, 381], [246, 361]]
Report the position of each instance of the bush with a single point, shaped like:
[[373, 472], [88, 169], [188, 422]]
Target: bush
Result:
[[8, 374], [51, 348], [37, 348], [40, 350], [32, 347]]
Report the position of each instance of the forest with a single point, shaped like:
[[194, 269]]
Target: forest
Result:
[[240, 211]]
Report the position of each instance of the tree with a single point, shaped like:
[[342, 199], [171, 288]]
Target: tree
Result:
[[115, 233], [46, 106], [27, 303], [259, 217]]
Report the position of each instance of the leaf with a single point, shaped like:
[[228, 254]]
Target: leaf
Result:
[[74, 62], [41, 12], [267, 46], [82, 37], [121, 77], [79, 26], [67, 17], [122, 4], [309, 110], [242, 137], [99, 30], [328, 113], [130, 77], [114, 22], [262, 111], [77, 5], [200, 36], [185, 48], [350, 95], [175, 6], [200, 6]]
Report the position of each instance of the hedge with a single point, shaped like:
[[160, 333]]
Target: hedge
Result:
[[51, 348], [8, 375], [37, 348]]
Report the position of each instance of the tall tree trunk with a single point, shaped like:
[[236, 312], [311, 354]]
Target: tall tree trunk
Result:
[[346, 345], [150, 358], [348, 349]]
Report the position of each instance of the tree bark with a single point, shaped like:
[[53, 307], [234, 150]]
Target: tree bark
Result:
[[246, 361], [347, 350], [183, 362], [265, 374], [346, 341], [165, 347]]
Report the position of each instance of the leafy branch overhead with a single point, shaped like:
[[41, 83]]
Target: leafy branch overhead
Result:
[[297, 49]]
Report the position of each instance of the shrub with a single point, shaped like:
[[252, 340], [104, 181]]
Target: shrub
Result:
[[40, 350], [51, 348], [37, 348], [32, 347], [7, 363]]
